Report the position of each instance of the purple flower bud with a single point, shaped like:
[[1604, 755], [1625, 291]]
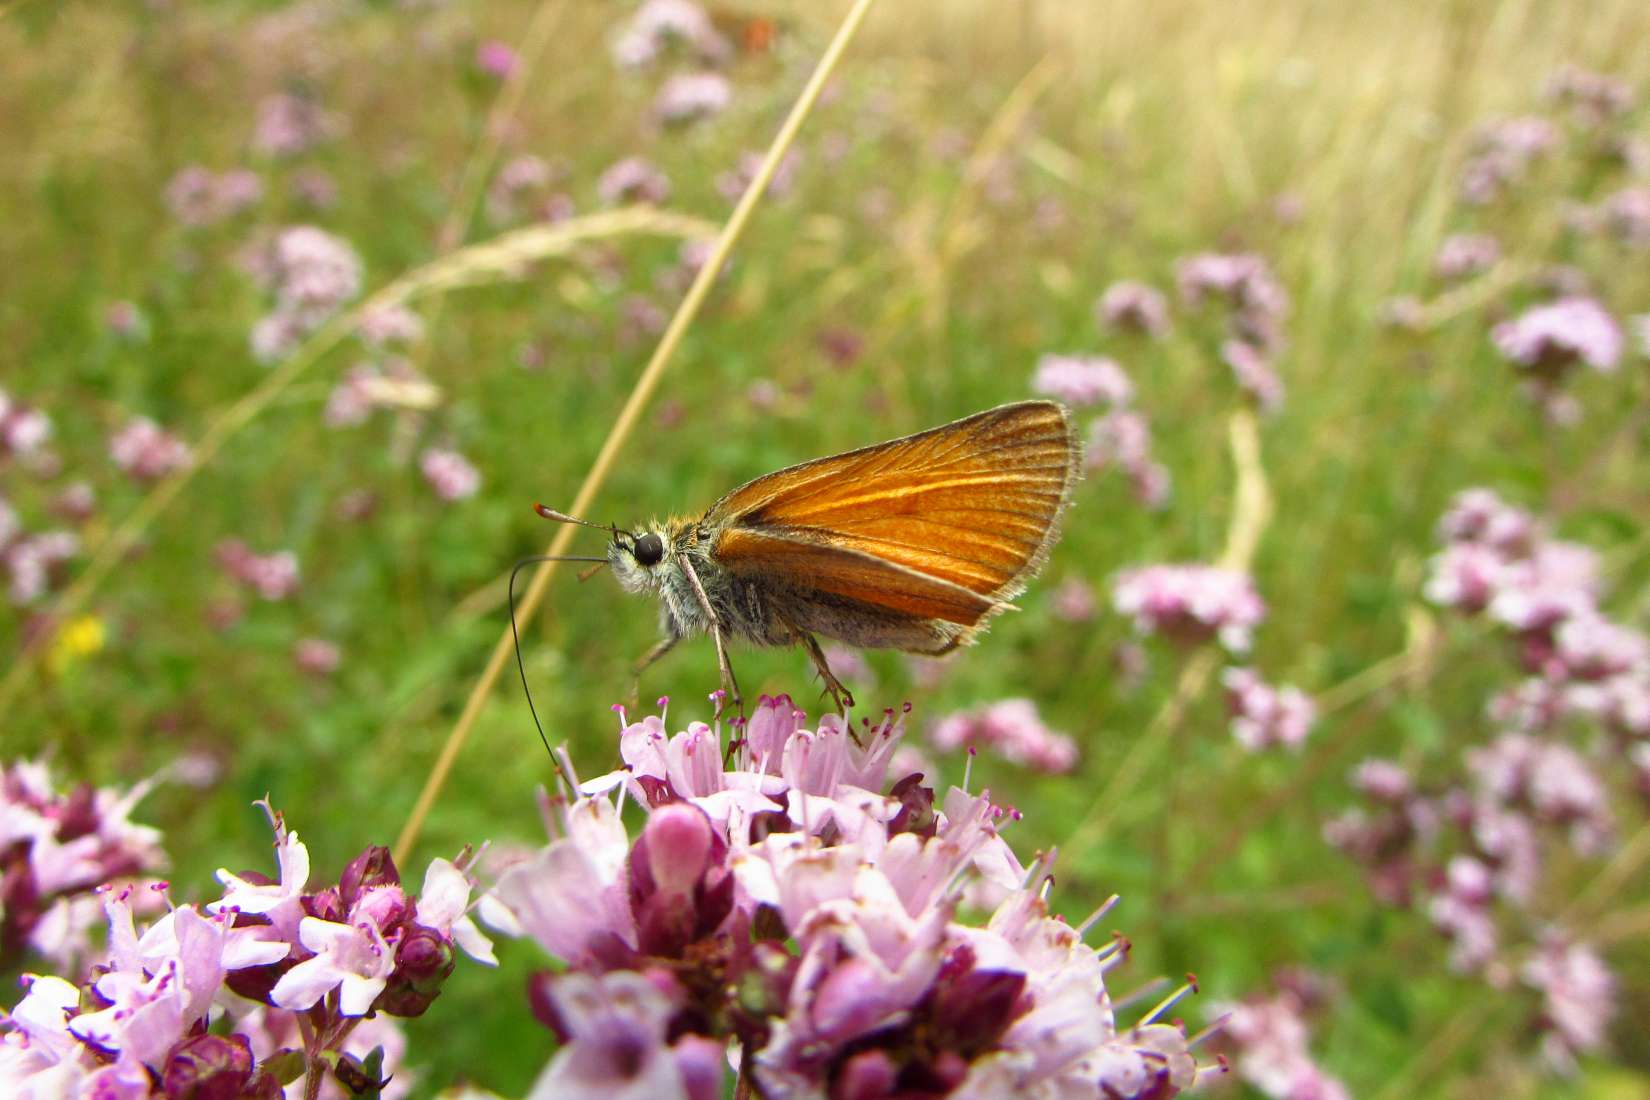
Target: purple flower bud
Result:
[[868, 1075], [678, 889], [916, 814], [208, 1067], [701, 1063], [423, 961], [77, 816], [326, 905], [977, 1006], [373, 867]]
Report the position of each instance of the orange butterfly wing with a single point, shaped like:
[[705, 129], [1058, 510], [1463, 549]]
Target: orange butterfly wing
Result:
[[944, 524]]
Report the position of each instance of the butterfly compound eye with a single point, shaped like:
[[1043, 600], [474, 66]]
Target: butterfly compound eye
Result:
[[650, 549]]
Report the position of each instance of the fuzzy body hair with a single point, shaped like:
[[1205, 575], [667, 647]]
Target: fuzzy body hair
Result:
[[762, 611]]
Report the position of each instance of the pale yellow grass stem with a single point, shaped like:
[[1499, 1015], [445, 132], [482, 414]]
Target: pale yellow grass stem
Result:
[[504, 257], [1251, 510], [626, 421]]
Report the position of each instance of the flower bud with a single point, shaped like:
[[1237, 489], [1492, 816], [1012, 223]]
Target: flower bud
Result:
[[868, 1075], [372, 868], [701, 1063], [208, 1067], [423, 961]]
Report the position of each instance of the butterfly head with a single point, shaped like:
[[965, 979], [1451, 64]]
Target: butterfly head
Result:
[[639, 558]]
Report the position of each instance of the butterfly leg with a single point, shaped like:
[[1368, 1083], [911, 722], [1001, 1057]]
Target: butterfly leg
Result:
[[839, 692], [665, 645], [729, 684]]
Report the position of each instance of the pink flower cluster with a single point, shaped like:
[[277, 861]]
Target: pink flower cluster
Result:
[[1474, 846], [1082, 380], [1592, 98], [734, 182], [1264, 716], [1578, 998], [34, 563], [688, 97], [1133, 306], [289, 124], [310, 274], [449, 473], [779, 901], [1191, 603], [1271, 1035], [1011, 729], [55, 849], [658, 24], [194, 1004], [391, 383], [272, 576], [633, 179], [145, 451], [1258, 308], [522, 189], [1463, 255], [1121, 436], [1499, 562], [199, 197], [24, 432], [1550, 340], [1503, 155]]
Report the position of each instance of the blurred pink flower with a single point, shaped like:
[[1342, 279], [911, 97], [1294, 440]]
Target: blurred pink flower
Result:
[[1013, 730], [1466, 254], [385, 326], [1627, 216], [314, 188], [1579, 995], [311, 274], [496, 59], [1082, 380], [290, 124], [317, 656], [272, 576], [1132, 305], [1191, 603], [1074, 601], [1264, 716], [687, 97], [1593, 98], [1254, 374], [1549, 339], [658, 23], [1271, 1036], [633, 180], [146, 452], [732, 184], [126, 321], [449, 473], [198, 197]]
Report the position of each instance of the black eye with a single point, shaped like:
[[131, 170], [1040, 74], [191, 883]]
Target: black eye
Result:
[[650, 549]]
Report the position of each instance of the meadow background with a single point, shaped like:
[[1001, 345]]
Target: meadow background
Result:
[[976, 176]]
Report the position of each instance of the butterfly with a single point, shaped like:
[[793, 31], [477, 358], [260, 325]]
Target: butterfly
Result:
[[913, 544]]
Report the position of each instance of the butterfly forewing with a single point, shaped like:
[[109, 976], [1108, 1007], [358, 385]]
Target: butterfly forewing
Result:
[[969, 507]]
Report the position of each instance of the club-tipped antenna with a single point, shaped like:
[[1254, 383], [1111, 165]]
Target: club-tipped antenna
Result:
[[563, 517], [515, 634]]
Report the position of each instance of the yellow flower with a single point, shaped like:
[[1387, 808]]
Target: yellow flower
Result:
[[80, 637]]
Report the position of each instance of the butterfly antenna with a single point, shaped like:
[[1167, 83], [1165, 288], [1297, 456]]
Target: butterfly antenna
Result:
[[563, 517], [515, 634]]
